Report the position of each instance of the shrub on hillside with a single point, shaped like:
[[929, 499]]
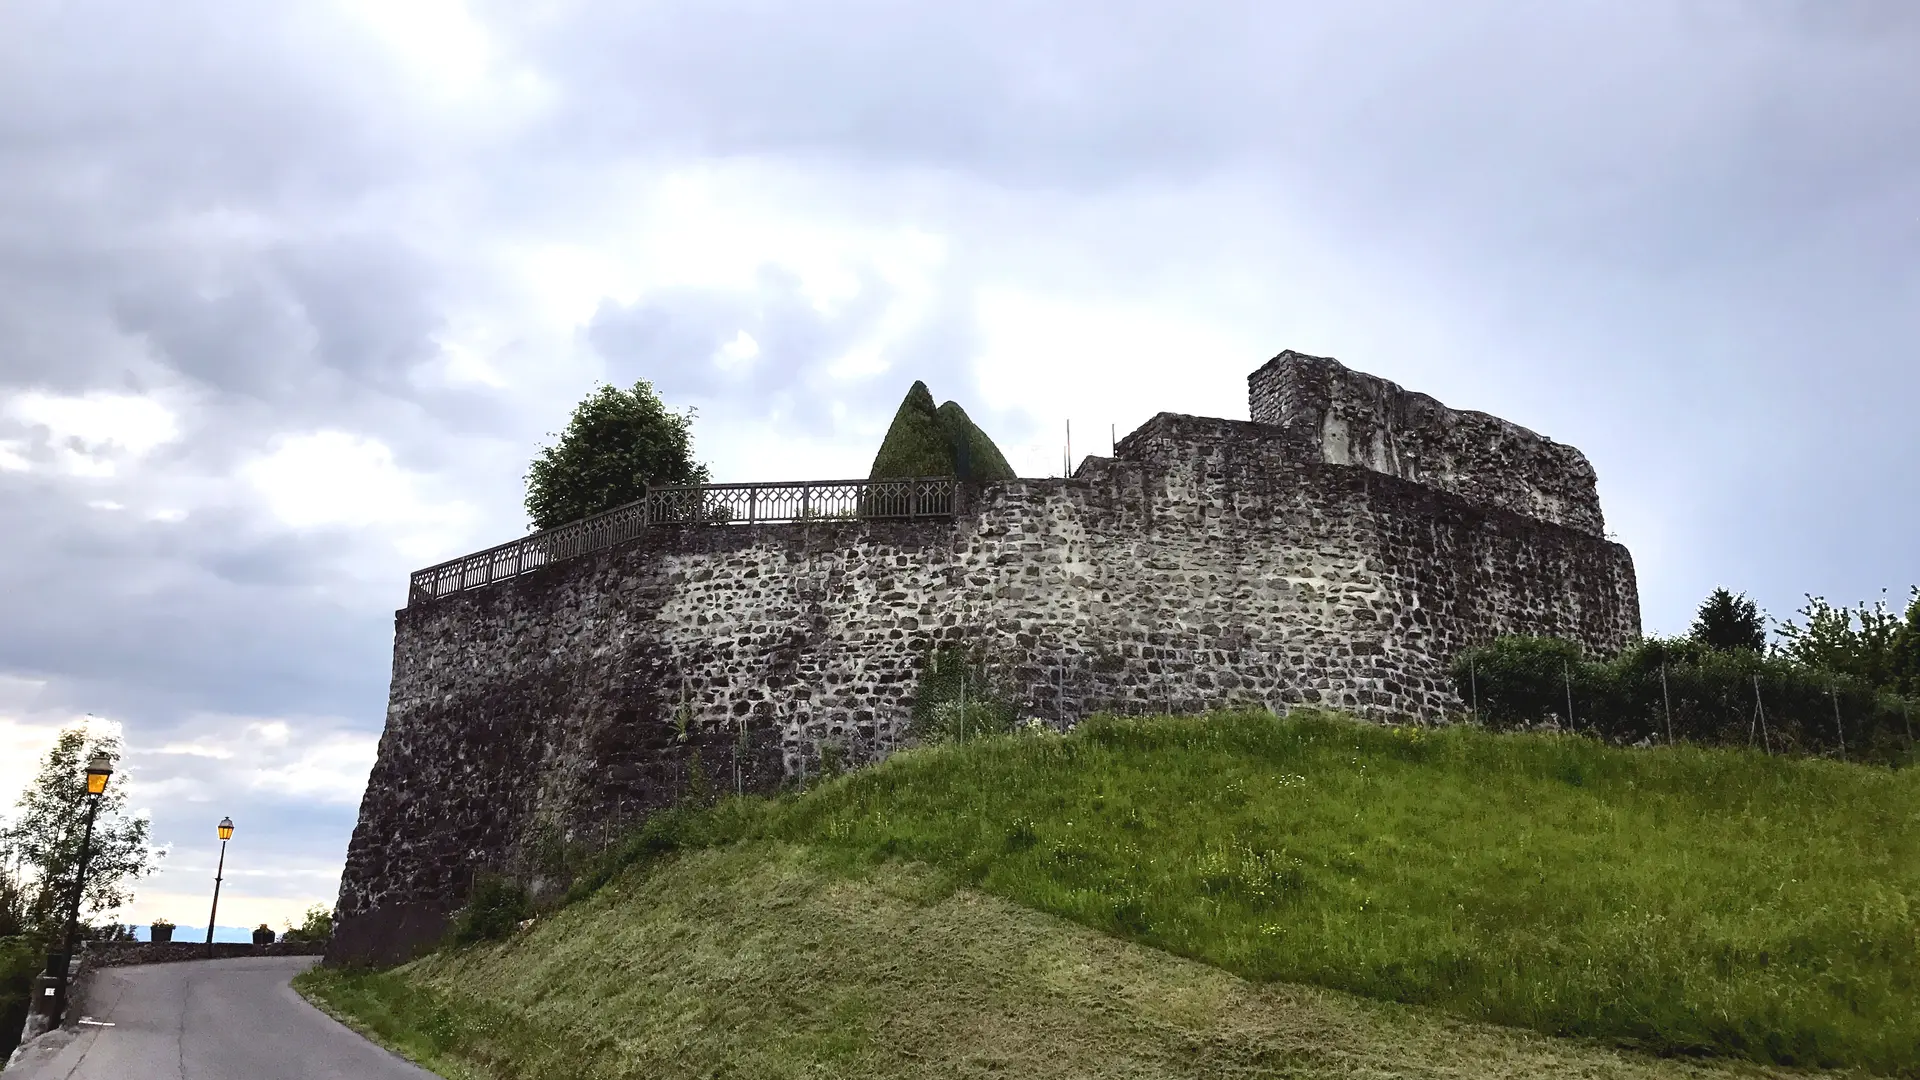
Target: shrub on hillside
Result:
[[957, 699], [316, 924], [1874, 644], [21, 961], [1682, 689], [496, 907]]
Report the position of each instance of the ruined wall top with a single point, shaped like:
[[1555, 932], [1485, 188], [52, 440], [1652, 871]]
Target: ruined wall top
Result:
[[1346, 417]]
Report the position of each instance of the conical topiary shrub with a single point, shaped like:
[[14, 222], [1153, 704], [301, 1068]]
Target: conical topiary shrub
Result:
[[925, 441], [974, 455], [915, 445]]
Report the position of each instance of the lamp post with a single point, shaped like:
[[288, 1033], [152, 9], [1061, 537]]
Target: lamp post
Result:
[[226, 834], [98, 770]]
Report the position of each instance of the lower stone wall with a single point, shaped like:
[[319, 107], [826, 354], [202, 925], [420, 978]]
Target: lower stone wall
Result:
[[1205, 565], [128, 953]]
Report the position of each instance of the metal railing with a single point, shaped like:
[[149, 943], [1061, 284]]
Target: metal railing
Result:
[[698, 504]]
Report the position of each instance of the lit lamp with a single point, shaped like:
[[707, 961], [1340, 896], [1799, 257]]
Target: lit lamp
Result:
[[99, 769], [226, 834]]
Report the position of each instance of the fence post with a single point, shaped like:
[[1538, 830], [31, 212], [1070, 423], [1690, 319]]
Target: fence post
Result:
[[1666, 701], [1566, 672], [1760, 718], [1473, 688], [1838, 731]]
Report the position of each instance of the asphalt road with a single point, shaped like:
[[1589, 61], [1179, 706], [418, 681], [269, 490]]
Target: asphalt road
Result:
[[207, 1020]]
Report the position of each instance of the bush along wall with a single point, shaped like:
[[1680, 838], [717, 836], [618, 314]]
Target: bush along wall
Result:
[[1675, 690], [959, 697]]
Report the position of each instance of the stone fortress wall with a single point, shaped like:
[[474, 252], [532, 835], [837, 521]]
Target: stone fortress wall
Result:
[[1340, 549]]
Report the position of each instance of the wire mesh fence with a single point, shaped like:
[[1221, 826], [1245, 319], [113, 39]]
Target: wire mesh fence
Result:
[[1657, 692]]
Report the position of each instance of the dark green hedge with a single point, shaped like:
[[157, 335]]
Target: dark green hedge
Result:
[[1680, 690]]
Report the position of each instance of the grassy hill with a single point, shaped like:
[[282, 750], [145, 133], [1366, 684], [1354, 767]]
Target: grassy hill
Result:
[[1156, 898]]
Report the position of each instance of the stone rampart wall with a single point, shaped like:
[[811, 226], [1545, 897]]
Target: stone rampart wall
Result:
[[1209, 563], [1341, 416]]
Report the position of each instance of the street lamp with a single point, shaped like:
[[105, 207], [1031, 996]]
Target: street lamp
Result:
[[98, 770], [226, 834]]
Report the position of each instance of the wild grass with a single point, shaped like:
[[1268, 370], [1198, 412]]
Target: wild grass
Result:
[[776, 960], [1685, 901]]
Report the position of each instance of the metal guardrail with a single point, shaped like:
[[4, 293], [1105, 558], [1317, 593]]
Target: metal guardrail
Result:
[[700, 504]]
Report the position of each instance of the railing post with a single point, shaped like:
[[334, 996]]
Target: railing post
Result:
[[753, 505]]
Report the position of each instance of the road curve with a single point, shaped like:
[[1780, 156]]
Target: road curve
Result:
[[207, 1020]]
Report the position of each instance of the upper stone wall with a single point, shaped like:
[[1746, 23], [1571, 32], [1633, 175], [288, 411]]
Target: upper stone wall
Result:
[[1344, 417]]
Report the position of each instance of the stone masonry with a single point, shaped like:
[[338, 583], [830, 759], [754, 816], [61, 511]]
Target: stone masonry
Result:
[[1340, 549]]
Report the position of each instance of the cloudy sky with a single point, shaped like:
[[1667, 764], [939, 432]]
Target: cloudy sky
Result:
[[291, 293]]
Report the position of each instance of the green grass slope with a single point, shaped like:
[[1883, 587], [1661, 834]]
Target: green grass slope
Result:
[[776, 961], [1676, 900]]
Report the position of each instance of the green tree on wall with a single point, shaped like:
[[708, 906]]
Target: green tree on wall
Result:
[[617, 443], [1726, 621]]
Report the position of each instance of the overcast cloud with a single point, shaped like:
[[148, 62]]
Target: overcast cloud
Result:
[[290, 294]]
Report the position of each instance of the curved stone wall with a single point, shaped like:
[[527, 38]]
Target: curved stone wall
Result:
[[1208, 563]]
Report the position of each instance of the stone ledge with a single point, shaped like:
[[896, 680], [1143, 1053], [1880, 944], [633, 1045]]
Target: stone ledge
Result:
[[124, 953]]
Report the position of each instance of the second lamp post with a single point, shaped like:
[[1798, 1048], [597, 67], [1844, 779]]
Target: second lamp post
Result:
[[226, 834]]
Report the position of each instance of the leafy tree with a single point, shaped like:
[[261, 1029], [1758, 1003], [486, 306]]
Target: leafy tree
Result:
[[617, 443], [1905, 650], [925, 441], [1864, 642], [1726, 621], [316, 924], [46, 835]]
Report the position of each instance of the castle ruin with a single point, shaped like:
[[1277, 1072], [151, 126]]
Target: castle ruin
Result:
[[1338, 549]]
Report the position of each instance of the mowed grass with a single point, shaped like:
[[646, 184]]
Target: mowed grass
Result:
[[1681, 901], [770, 960]]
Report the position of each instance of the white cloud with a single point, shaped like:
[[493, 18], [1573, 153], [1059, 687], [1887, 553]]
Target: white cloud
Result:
[[93, 434], [449, 54], [330, 769], [337, 478], [101, 422]]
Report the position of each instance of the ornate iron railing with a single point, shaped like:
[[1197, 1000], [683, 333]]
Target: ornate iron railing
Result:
[[700, 504]]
